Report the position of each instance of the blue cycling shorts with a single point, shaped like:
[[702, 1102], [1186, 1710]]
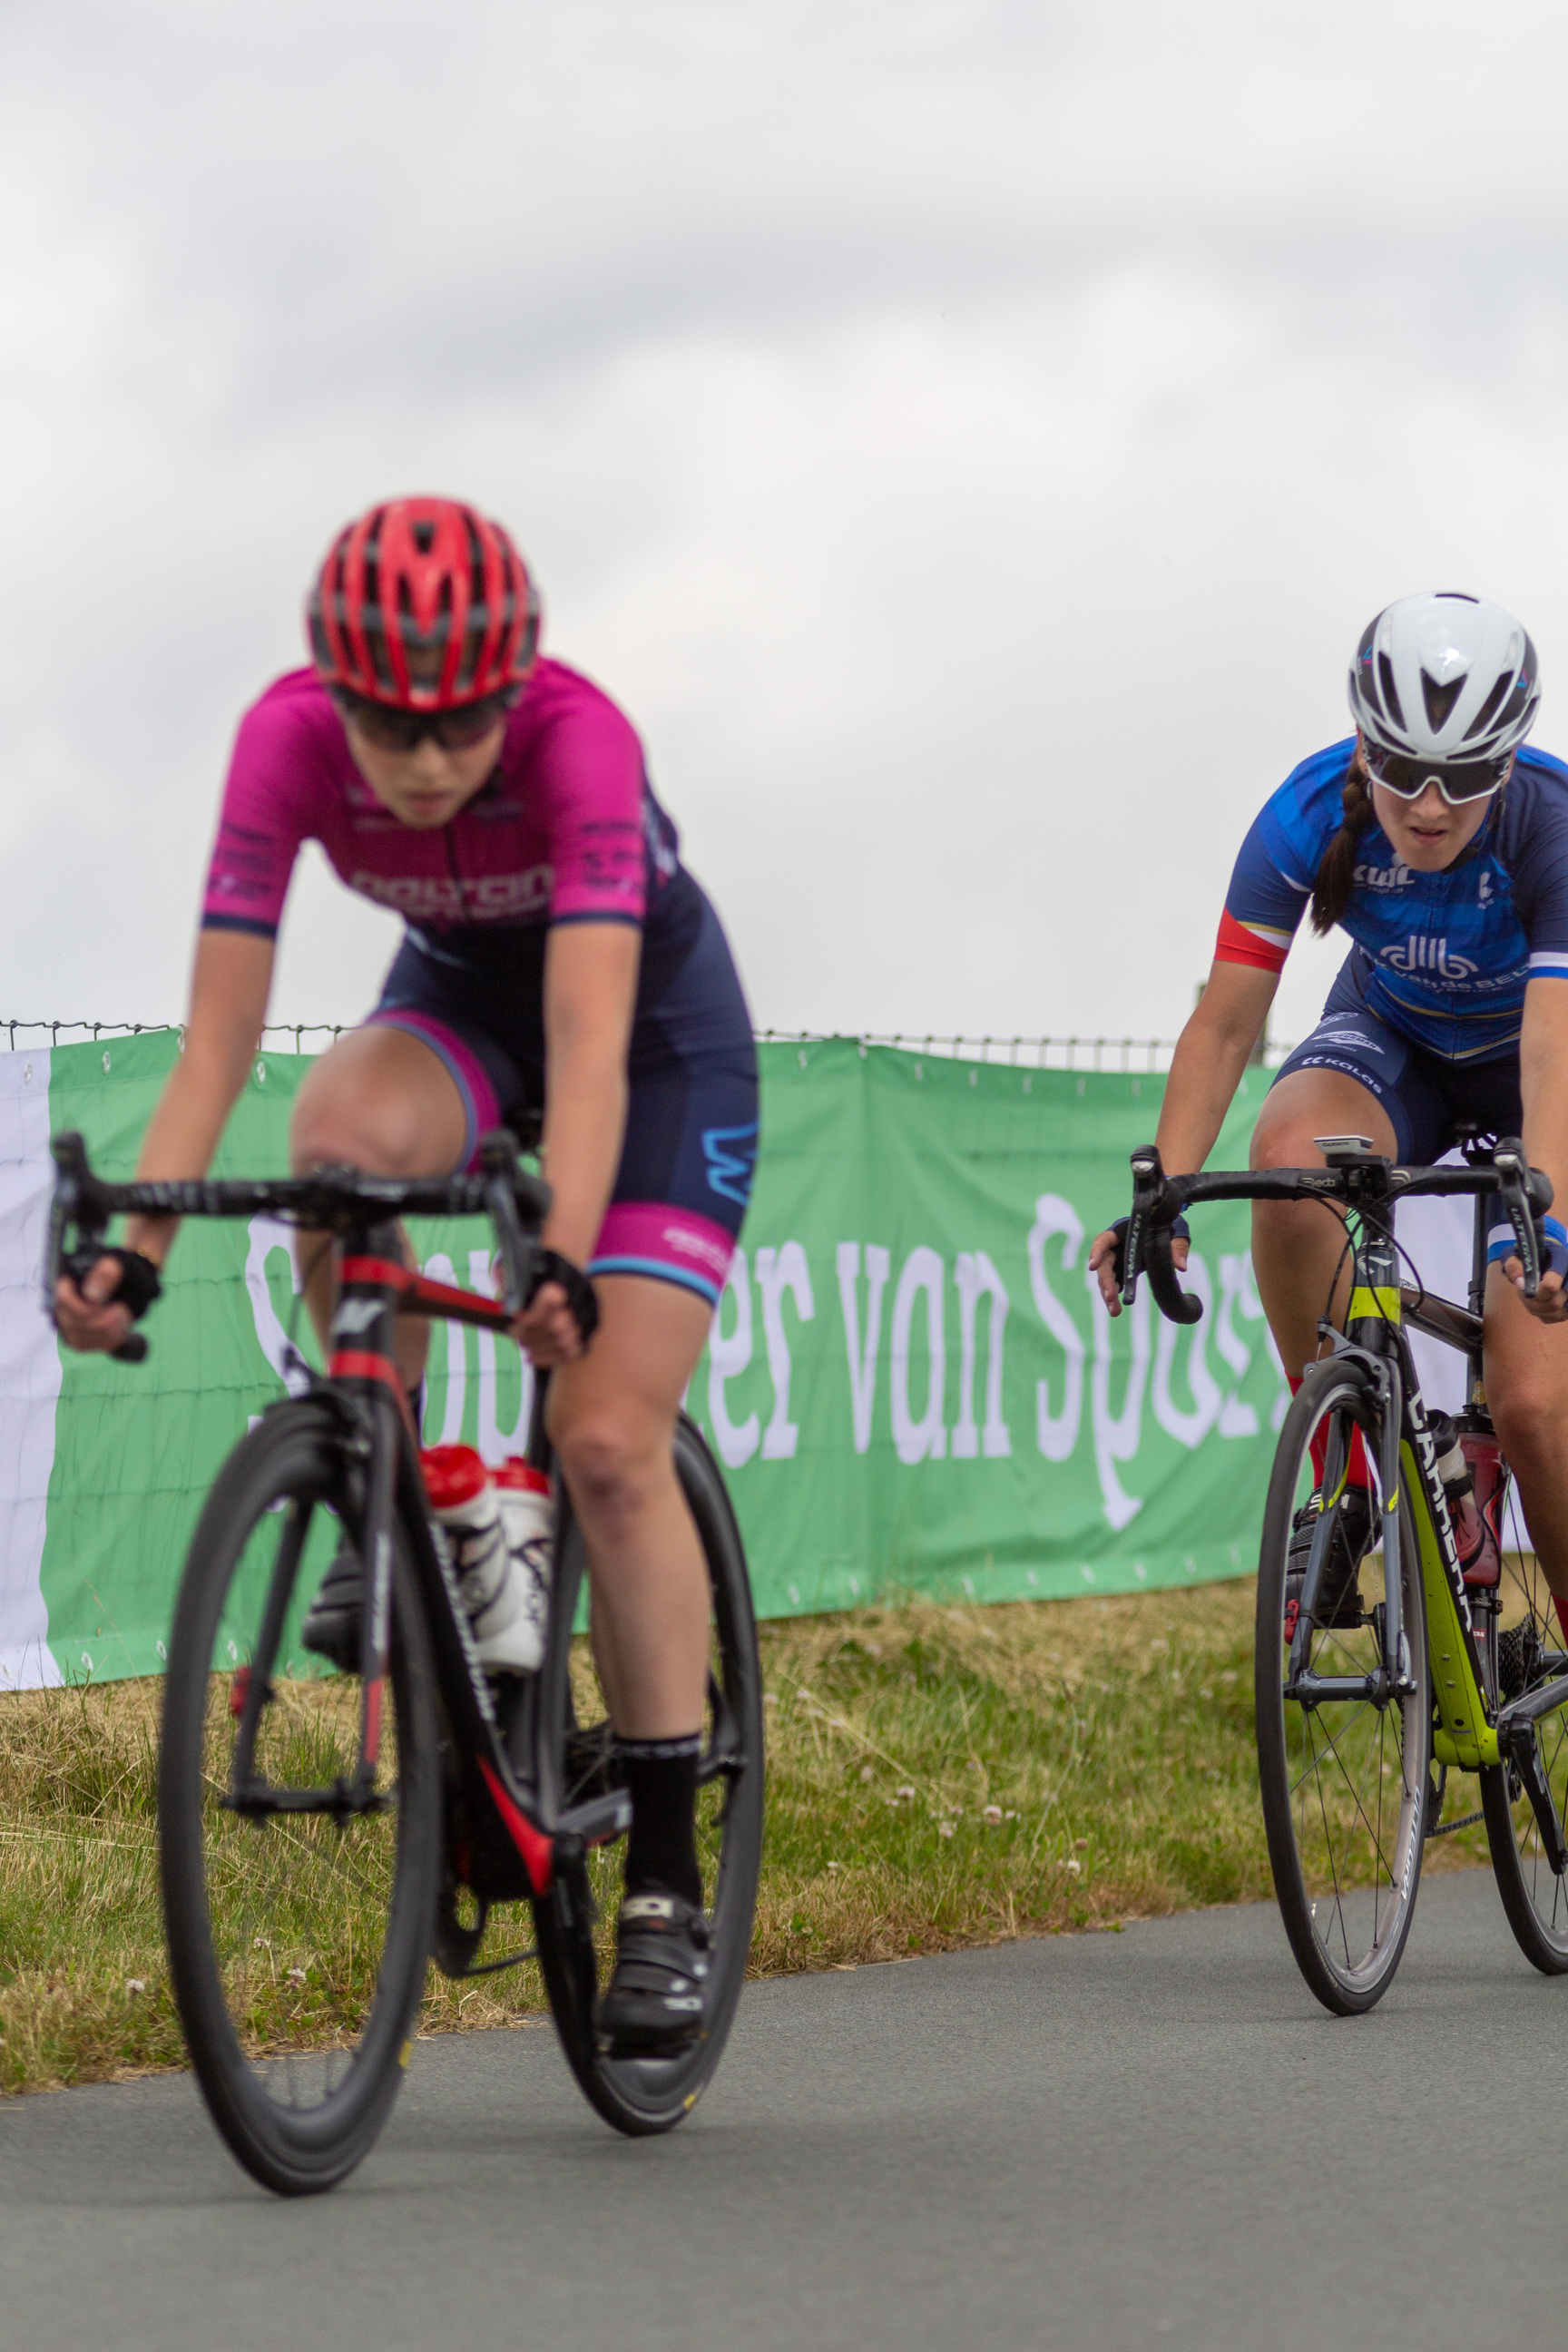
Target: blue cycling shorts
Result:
[[690, 1145], [1423, 1096]]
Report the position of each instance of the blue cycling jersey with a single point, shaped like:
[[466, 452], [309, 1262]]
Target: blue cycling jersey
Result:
[[1442, 958]]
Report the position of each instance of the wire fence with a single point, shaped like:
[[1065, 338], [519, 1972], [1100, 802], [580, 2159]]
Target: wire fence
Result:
[[1136, 1054], [34, 1031]]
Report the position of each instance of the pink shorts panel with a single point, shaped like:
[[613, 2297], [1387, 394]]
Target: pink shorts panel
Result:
[[668, 1244], [482, 1109]]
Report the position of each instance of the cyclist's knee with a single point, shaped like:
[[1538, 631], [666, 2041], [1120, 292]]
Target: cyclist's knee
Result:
[[1310, 1103], [1527, 1413], [350, 1131], [351, 1112], [615, 1463]]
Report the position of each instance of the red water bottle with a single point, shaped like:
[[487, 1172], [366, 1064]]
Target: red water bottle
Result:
[[1465, 1460], [1489, 1481]]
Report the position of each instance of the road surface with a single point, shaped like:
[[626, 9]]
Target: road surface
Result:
[[1141, 2140]]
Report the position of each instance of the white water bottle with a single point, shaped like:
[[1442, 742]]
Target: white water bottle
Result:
[[492, 1588], [528, 1514]]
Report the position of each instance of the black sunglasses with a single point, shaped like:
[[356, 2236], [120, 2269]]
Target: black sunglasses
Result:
[[1458, 781], [391, 730]]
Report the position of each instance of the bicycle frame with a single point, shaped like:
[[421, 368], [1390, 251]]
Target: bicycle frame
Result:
[[516, 1833], [1471, 1731]]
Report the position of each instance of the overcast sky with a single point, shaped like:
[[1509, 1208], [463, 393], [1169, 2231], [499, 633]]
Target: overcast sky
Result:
[[967, 439]]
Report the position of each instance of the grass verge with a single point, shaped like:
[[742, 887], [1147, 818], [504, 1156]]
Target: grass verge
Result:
[[938, 1777]]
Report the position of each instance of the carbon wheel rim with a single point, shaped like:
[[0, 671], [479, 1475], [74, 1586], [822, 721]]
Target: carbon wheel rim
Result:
[[1530, 1651], [1352, 1794], [296, 1930]]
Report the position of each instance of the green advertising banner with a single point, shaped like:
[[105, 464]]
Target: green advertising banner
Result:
[[910, 1382]]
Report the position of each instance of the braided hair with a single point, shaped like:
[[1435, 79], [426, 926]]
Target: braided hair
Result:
[[1335, 877]]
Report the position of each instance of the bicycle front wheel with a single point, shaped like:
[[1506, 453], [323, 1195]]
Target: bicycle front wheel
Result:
[[1530, 1652], [639, 2096], [1343, 1780], [297, 1938]]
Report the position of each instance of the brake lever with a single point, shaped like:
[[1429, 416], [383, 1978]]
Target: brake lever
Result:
[[1516, 1188], [1151, 1235], [498, 1159], [1148, 1185]]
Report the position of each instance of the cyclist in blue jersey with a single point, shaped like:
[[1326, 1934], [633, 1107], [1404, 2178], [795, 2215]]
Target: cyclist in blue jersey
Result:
[[1437, 839]]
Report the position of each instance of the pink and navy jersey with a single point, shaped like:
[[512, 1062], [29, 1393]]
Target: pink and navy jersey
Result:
[[567, 829], [1442, 958]]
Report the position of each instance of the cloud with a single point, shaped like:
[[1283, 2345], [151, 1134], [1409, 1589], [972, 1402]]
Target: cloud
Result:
[[968, 440]]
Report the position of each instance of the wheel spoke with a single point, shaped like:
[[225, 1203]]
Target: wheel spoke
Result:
[[298, 1942], [1338, 1820]]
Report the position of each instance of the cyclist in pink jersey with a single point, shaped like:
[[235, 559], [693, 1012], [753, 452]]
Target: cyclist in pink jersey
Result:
[[557, 959]]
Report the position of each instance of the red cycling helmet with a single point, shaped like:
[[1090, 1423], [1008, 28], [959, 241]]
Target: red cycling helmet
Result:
[[423, 605]]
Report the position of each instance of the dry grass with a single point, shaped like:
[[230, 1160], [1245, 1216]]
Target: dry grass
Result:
[[939, 1777]]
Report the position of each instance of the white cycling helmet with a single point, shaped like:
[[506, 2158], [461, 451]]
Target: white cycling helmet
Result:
[[1447, 679]]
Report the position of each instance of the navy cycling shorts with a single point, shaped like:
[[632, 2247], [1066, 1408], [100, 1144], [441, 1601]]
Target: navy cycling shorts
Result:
[[691, 1135], [1423, 1096]]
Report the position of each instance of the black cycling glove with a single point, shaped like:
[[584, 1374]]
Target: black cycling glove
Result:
[[139, 1281], [550, 1266], [1180, 1231]]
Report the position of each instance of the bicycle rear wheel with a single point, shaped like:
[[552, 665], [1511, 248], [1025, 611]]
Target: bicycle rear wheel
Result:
[[640, 2096], [297, 1940], [1530, 1652], [1343, 1781]]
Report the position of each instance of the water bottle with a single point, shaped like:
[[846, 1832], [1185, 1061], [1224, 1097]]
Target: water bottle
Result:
[[1466, 1463], [528, 1514], [1489, 1478], [493, 1587]]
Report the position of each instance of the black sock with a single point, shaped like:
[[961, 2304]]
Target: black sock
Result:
[[661, 1779], [417, 1408]]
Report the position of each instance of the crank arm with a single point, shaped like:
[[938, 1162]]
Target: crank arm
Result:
[[1532, 1707], [1525, 1758]]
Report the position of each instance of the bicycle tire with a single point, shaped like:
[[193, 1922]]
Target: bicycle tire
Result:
[[292, 1464], [643, 2095], [1534, 1899], [1346, 1887]]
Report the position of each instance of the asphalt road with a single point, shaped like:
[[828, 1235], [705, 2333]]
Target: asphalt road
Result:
[[1117, 2140]]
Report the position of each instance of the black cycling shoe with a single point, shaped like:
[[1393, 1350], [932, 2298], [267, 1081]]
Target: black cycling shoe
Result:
[[332, 1626], [653, 2005], [1339, 1592]]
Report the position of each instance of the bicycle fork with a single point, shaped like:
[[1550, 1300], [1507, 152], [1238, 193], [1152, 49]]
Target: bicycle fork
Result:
[[1371, 1339]]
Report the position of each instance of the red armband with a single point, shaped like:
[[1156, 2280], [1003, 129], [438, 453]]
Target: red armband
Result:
[[1252, 943]]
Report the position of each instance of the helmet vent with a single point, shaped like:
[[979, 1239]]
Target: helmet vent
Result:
[[1390, 691], [426, 605], [1440, 700], [1489, 708]]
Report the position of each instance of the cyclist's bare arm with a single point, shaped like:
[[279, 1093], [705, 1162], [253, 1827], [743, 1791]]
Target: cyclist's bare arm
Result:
[[1543, 1062], [1206, 1071], [228, 1004], [589, 993]]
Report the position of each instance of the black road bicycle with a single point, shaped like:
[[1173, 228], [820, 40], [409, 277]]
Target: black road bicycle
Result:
[[1368, 1698], [323, 1836]]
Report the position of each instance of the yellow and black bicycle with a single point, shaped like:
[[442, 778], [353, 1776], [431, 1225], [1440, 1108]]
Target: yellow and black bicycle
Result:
[[1382, 1666]]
